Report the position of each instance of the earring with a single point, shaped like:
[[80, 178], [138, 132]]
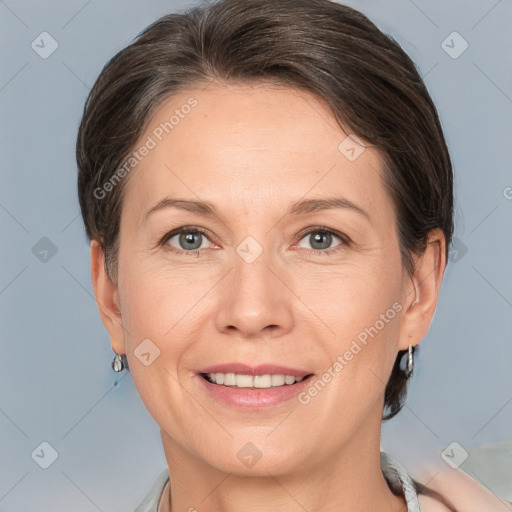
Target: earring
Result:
[[117, 363], [409, 369]]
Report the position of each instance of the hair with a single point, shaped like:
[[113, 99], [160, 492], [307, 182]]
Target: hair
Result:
[[318, 46]]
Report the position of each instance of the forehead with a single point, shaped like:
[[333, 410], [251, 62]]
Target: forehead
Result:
[[252, 143]]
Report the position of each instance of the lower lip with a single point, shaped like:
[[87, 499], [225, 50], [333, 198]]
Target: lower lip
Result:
[[253, 398]]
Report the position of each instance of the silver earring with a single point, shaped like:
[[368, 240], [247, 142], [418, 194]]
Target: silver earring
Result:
[[409, 369], [117, 363]]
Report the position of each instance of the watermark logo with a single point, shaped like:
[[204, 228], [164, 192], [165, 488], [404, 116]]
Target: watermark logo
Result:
[[249, 249], [454, 455], [44, 455], [454, 45], [351, 147], [249, 455], [147, 352], [44, 250], [44, 45], [457, 250]]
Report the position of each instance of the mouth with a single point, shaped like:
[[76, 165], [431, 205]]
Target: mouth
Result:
[[266, 381], [253, 387]]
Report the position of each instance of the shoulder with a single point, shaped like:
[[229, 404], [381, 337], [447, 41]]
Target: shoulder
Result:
[[152, 499], [430, 504]]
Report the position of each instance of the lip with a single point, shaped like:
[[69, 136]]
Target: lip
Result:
[[252, 399], [261, 369]]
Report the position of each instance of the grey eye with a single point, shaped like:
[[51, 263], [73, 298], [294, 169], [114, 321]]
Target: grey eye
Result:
[[320, 239], [187, 240], [324, 240], [190, 240]]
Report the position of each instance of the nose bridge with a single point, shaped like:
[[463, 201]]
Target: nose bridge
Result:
[[256, 298], [252, 276]]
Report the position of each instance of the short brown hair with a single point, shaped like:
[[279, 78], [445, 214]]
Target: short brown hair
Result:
[[325, 48]]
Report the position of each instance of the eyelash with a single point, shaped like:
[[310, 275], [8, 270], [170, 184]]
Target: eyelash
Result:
[[315, 229]]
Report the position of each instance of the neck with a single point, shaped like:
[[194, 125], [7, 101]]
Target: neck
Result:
[[350, 479]]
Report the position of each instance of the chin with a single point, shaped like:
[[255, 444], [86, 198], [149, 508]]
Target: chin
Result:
[[256, 458]]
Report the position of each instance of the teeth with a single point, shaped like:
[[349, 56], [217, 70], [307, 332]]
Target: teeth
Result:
[[256, 381]]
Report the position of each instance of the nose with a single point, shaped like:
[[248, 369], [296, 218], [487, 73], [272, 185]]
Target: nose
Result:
[[256, 301]]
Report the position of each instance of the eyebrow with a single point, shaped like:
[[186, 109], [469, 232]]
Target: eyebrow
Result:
[[299, 208]]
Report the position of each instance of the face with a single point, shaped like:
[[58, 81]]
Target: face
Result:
[[296, 264]]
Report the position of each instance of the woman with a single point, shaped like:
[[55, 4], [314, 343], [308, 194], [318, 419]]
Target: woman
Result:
[[215, 152]]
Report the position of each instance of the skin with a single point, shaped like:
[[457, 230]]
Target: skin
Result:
[[252, 150], [461, 491]]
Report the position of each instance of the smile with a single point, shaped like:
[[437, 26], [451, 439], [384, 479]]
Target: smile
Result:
[[250, 381]]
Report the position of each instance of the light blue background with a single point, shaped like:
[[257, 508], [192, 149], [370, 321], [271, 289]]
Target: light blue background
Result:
[[55, 377]]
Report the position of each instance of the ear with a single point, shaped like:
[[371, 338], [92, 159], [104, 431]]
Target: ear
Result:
[[107, 298], [422, 291]]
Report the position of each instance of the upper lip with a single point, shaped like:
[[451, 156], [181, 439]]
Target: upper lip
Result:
[[261, 369]]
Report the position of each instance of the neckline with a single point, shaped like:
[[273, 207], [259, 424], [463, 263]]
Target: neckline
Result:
[[398, 480], [159, 503]]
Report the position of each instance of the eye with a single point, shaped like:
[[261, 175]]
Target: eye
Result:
[[188, 238], [321, 239]]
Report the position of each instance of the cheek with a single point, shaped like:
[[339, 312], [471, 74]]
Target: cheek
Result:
[[361, 312], [154, 301], [156, 348], [354, 297]]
